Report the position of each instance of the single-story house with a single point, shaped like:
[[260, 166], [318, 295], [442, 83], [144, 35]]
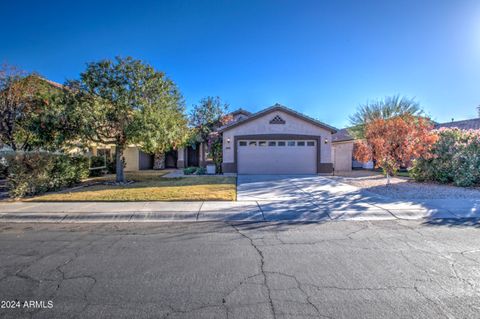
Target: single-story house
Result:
[[276, 140]]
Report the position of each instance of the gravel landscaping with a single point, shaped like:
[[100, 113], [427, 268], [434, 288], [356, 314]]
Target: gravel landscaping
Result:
[[404, 188]]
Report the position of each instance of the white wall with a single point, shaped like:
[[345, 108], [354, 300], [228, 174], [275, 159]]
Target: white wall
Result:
[[261, 125], [342, 156]]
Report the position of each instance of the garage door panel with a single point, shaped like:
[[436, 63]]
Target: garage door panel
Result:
[[264, 158]]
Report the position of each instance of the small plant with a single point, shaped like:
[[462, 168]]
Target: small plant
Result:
[[190, 170]]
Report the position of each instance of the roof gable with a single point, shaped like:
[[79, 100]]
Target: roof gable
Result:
[[278, 107]]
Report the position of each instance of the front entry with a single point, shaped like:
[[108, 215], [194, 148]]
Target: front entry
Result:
[[171, 159], [193, 155]]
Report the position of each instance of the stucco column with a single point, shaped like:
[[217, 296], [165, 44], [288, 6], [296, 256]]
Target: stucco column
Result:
[[181, 157]]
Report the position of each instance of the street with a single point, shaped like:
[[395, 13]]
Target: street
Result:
[[339, 269]]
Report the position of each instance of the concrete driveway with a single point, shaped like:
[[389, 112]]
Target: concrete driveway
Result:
[[317, 198]]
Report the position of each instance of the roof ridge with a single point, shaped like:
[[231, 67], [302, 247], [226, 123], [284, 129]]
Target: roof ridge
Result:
[[285, 108]]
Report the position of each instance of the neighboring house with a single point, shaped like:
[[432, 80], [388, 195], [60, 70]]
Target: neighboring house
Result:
[[276, 140], [472, 124]]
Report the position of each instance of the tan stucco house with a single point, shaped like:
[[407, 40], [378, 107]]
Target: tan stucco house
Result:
[[276, 140]]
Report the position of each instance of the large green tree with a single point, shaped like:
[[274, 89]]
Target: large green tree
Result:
[[126, 101], [386, 108]]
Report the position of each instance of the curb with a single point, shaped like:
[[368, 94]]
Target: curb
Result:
[[189, 217]]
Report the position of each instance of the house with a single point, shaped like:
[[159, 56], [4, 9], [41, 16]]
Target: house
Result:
[[471, 124], [276, 140]]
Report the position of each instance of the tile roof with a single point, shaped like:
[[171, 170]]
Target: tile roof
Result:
[[342, 136], [240, 111], [472, 124]]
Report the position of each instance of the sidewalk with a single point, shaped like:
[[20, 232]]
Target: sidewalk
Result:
[[247, 211]]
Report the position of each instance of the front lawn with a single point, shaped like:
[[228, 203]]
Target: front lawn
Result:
[[149, 186]]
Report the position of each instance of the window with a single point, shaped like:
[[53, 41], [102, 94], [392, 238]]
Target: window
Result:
[[282, 143], [301, 143], [310, 143], [291, 143], [272, 143], [242, 143], [252, 143], [262, 143]]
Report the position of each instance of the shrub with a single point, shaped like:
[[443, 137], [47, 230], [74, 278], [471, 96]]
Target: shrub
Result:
[[456, 159], [201, 171], [31, 173], [189, 170]]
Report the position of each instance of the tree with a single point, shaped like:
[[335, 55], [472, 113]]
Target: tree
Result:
[[386, 108], [24, 110], [205, 119], [126, 101], [395, 142], [207, 116]]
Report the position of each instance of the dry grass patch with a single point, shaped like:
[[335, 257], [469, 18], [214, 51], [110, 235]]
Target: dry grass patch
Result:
[[150, 186]]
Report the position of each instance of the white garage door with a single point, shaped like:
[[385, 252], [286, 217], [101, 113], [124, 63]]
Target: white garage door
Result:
[[276, 157]]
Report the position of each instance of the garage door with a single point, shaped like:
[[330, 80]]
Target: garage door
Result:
[[277, 157]]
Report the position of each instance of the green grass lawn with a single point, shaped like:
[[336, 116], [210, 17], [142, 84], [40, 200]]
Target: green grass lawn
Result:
[[149, 186]]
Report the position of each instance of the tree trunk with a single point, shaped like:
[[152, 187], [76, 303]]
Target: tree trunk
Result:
[[120, 175], [159, 161], [388, 179]]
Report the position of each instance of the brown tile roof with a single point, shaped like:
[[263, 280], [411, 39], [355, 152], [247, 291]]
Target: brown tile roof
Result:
[[472, 124], [342, 136], [241, 111]]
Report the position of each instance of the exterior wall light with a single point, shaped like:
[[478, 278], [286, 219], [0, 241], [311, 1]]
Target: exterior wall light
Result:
[[326, 141], [228, 140]]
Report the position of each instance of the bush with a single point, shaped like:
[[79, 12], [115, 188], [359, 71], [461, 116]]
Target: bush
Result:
[[97, 161], [456, 159], [201, 171], [189, 170], [31, 173]]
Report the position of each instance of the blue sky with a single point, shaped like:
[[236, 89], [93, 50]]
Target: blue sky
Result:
[[323, 58]]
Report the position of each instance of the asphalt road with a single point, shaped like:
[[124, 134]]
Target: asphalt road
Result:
[[383, 269]]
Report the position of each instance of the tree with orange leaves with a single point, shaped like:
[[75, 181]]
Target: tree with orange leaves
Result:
[[395, 142]]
